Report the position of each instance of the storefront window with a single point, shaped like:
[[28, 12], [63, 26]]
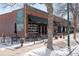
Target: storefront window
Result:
[[33, 28], [20, 20]]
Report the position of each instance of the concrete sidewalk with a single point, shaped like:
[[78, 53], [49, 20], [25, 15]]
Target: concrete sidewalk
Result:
[[5, 46], [20, 51]]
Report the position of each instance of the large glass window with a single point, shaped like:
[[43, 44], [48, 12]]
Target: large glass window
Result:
[[20, 20], [33, 28]]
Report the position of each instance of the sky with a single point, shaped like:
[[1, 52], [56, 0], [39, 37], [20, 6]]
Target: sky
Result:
[[10, 9], [20, 5], [39, 6]]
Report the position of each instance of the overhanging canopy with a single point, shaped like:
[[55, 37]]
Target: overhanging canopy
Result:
[[36, 19]]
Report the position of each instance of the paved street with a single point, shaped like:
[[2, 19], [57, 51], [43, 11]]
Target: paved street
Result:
[[19, 51]]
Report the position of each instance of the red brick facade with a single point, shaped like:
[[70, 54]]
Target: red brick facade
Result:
[[7, 22]]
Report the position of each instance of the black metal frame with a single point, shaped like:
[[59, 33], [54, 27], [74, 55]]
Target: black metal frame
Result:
[[68, 29]]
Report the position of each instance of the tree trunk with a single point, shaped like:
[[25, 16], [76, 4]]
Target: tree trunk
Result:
[[75, 26], [50, 25]]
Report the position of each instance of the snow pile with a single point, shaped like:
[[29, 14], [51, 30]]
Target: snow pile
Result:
[[43, 51], [56, 52], [39, 52], [46, 52]]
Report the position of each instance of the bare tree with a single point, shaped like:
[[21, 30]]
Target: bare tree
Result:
[[74, 11], [50, 25], [74, 7], [4, 5], [61, 9]]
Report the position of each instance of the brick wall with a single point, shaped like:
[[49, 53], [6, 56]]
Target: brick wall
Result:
[[7, 23]]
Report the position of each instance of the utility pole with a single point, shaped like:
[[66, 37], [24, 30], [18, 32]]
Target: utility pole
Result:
[[68, 29]]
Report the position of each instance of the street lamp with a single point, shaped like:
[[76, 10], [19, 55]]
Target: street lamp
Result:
[[68, 29]]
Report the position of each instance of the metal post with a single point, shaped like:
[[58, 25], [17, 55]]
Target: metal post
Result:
[[68, 31]]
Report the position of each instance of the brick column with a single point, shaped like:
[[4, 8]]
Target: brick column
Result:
[[26, 19], [44, 30], [41, 30]]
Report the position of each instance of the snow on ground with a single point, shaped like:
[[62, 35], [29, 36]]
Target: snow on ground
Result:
[[60, 48], [75, 52], [8, 45], [43, 51]]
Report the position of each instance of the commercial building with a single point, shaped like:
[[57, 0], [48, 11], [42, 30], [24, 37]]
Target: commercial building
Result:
[[29, 21]]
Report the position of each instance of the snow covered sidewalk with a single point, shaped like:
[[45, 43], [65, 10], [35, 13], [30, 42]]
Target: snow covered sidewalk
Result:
[[60, 48], [5, 46], [56, 52]]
